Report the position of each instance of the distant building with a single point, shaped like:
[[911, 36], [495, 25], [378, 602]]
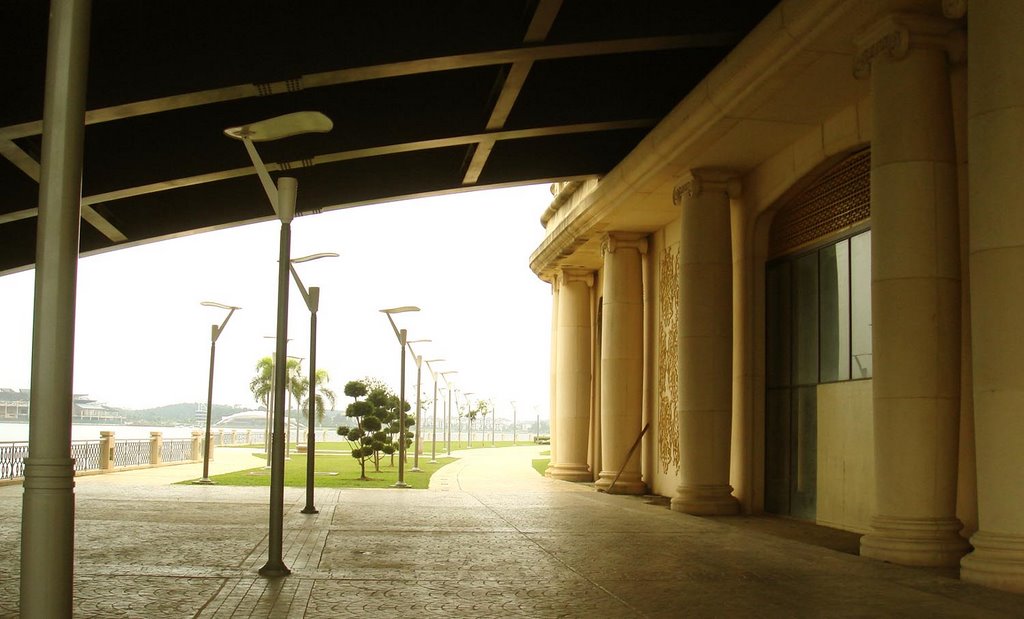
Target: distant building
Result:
[[14, 407]]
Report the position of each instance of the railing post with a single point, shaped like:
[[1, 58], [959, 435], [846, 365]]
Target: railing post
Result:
[[234, 437], [248, 437], [197, 446], [106, 451], [156, 448]]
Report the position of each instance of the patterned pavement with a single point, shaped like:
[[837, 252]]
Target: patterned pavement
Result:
[[490, 538]]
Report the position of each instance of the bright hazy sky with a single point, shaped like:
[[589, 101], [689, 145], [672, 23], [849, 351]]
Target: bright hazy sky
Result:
[[142, 339]]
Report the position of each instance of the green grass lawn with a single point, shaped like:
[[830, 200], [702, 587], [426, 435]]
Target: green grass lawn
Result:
[[344, 446], [541, 465], [476, 443], [334, 472]]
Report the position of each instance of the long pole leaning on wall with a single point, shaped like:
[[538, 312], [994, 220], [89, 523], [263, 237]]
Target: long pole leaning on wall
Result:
[[629, 455]]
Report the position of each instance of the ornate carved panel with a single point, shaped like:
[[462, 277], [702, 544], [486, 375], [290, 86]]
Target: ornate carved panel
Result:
[[668, 355], [838, 200]]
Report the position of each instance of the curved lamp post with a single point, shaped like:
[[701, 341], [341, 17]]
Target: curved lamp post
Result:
[[469, 420], [448, 421], [419, 387], [433, 410], [282, 199], [514, 426], [215, 332], [312, 299], [402, 336]]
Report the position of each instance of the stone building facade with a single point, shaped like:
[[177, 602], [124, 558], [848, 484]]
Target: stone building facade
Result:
[[806, 285]]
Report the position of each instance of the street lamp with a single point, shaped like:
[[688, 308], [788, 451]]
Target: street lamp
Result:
[[514, 427], [402, 336], [419, 387], [448, 422], [214, 334], [312, 299], [282, 199], [433, 409], [469, 420]]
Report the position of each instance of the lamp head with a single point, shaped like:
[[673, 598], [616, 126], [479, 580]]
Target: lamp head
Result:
[[280, 127], [311, 257], [399, 310], [220, 305]]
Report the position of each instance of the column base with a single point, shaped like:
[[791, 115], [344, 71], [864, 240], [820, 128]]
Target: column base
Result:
[[627, 483], [997, 561], [705, 500], [921, 542], [570, 472]]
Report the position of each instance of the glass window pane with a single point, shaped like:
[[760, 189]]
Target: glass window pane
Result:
[[805, 319], [804, 454], [834, 295], [777, 454], [860, 304], [778, 335]]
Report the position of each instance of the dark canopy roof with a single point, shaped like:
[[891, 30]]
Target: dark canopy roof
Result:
[[426, 97]]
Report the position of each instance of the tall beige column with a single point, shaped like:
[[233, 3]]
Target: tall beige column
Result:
[[622, 362], [996, 158], [572, 378], [705, 343], [553, 374], [915, 292]]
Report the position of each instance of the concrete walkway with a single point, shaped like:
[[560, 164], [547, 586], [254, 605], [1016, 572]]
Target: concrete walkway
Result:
[[490, 538]]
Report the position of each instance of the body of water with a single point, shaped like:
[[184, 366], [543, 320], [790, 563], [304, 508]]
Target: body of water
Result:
[[89, 432]]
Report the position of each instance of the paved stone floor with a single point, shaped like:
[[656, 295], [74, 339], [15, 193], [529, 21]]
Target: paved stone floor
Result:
[[490, 538]]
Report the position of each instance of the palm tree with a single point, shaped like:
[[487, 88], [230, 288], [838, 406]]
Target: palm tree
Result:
[[325, 398], [261, 384], [262, 388], [295, 385]]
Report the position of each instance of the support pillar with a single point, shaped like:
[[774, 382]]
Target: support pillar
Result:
[[48, 506], [915, 290], [622, 362], [572, 381], [553, 387], [996, 157], [705, 343], [156, 448]]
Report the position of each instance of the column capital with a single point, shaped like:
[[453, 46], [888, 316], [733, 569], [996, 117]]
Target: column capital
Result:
[[568, 275], [701, 180], [615, 240], [895, 35]]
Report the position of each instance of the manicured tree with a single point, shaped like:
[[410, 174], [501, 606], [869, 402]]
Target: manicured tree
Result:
[[360, 438], [355, 389], [376, 432]]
